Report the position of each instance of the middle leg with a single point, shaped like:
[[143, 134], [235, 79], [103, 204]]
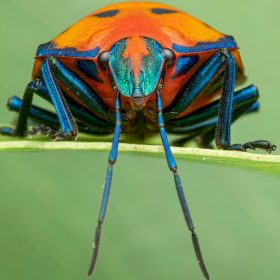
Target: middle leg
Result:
[[69, 129], [49, 123], [222, 135], [202, 122]]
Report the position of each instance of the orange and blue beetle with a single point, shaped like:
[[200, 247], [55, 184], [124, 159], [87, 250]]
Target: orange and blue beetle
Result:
[[139, 68]]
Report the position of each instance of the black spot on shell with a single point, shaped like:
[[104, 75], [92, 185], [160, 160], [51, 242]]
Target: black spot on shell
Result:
[[161, 11], [106, 14]]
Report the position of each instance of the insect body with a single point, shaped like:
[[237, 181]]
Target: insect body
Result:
[[141, 68]]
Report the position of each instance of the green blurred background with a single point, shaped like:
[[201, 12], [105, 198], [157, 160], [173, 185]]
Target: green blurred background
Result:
[[49, 201]]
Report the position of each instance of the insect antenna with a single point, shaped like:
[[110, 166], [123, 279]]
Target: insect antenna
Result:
[[107, 187], [180, 192]]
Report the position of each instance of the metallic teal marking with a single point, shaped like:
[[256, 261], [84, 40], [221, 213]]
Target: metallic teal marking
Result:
[[227, 42], [49, 49], [121, 67], [184, 64], [151, 68], [89, 68]]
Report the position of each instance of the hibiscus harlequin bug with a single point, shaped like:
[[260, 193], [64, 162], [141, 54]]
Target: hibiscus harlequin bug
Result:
[[139, 68]]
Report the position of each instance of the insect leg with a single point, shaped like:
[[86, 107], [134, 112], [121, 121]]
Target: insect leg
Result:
[[49, 119], [21, 126], [69, 129], [225, 113], [203, 121], [208, 137], [173, 167], [79, 113], [79, 88], [206, 130], [251, 106], [195, 86], [102, 212], [242, 97]]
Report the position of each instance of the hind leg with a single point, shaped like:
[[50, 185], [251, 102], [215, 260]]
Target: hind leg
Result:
[[69, 129], [204, 135], [201, 124], [205, 140], [21, 126], [49, 123], [223, 129], [225, 109]]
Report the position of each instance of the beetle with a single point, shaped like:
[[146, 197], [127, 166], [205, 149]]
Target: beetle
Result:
[[140, 68]]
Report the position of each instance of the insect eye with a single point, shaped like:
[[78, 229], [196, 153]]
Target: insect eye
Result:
[[169, 56], [103, 60]]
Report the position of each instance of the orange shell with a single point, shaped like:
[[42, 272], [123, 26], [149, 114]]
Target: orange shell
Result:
[[133, 19], [136, 19]]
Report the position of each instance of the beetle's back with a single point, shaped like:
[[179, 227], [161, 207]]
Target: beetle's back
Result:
[[163, 23], [172, 28]]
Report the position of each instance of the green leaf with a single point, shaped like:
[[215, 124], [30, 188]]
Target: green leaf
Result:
[[263, 162]]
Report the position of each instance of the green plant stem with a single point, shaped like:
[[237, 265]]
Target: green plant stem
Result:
[[268, 163]]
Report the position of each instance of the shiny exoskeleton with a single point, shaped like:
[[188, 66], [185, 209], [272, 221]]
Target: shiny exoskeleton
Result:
[[140, 68]]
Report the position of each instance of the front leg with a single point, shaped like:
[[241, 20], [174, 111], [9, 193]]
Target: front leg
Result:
[[49, 131], [222, 135], [258, 144], [69, 129]]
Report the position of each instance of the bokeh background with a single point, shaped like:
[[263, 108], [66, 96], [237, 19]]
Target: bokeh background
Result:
[[49, 201]]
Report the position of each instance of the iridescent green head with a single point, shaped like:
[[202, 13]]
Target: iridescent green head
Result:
[[136, 65]]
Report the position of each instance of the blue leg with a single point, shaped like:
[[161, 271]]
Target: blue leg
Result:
[[49, 121], [195, 86], [102, 212], [79, 113], [225, 114], [205, 130], [204, 138], [241, 98], [21, 126], [79, 88], [203, 122], [55, 70], [173, 167], [69, 129]]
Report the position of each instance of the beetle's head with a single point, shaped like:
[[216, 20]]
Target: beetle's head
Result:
[[137, 67]]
